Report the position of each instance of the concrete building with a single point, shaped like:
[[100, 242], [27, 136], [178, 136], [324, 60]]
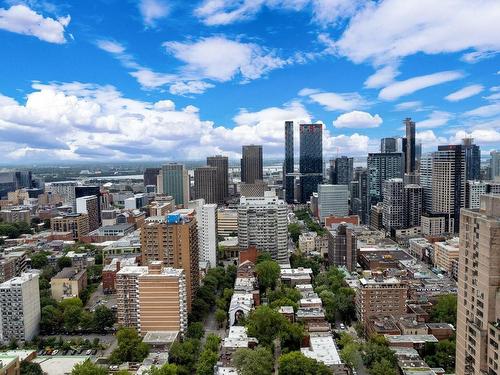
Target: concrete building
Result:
[[12, 264], [127, 295], [311, 159], [342, 249], [20, 308], [307, 242], [89, 205], [376, 216], [174, 242], [412, 198], [65, 189], [263, 223], [495, 165], [16, 215], [136, 202], [478, 315], [68, 283], [393, 204], [162, 299], [205, 184], [359, 195], [473, 192], [151, 176], [76, 224], [227, 222], [472, 159], [445, 253], [380, 296], [389, 144], [222, 185], [333, 200], [448, 181], [341, 170], [381, 167], [426, 182], [436, 224], [410, 146], [207, 230], [174, 181], [257, 189], [251, 164]]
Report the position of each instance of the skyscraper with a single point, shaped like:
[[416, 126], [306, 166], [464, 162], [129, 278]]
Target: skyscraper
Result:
[[426, 182], [221, 163], [381, 167], [412, 198], [495, 165], [263, 223], [89, 205], [393, 204], [311, 159], [472, 159], [288, 181], [448, 182], [206, 215], [175, 182], [333, 200], [205, 184], [251, 164], [410, 146], [343, 170], [359, 195], [478, 312], [389, 144]]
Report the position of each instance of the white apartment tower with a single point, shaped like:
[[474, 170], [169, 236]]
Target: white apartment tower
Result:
[[263, 223], [393, 204], [20, 308], [206, 215]]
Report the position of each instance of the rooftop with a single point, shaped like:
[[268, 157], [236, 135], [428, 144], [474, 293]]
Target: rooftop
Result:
[[160, 337], [323, 349], [414, 339], [70, 273]]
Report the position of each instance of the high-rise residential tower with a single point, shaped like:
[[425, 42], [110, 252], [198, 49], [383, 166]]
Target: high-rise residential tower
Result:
[[150, 176], [412, 198], [342, 246], [263, 223], [175, 182], [206, 218], [221, 163], [333, 200], [495, 165], [311, 159], [251, 164], [478, 313], [343, 170], [472, 159], [410, 146], [393, 204], [205, 184], [381, 167], [389, 144], [288, 181]]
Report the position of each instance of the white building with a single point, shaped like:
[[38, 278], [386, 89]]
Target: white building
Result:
[[474, 189], [307, 242], [333, 200], [241, 305], [66, 189], [20, 308], [136, 202], [207, 230], [263, 223], [322, 348], [227, 222], [393, 204]]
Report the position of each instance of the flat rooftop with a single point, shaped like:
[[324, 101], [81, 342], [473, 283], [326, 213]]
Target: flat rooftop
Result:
[[59, 365], [322, 349]]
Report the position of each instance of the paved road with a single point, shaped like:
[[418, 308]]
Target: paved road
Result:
[[211, 326]]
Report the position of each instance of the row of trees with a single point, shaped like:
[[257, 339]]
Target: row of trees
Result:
[[336, 296], [313, 226], [14, 230]]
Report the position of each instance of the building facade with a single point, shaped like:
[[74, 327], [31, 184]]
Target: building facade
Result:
[[288, 166], [382, 167], [175, 182], [333, 200], [311, 159], [251, 164], [222, 181], [205, 184]]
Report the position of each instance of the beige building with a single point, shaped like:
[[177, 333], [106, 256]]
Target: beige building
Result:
[[227, 222], [77, 224], [68, 283], [445, 253], [162, 299], [307, 242], [15, 215], [478, 315], [380, 296], [174, 242], [127, 295]]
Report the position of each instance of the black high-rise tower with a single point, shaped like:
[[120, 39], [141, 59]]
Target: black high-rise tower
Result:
[[288, 181], [311, 159]]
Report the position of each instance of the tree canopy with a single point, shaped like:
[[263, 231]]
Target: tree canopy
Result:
[[88, 368], [445, 309], [130, 347], [295, 363], [258, 361], [268, 273]]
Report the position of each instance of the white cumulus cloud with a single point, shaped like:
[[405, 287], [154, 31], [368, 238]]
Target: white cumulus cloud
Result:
[[357, 120], [153, 10], [21, 19]]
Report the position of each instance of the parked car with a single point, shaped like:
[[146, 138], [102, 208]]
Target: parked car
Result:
[[55, 352], [342, 326], [88, 352]]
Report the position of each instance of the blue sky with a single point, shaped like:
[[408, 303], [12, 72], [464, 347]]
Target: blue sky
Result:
[[171, 79]]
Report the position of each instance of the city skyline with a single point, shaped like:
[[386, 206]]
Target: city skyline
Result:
[[182, 82]]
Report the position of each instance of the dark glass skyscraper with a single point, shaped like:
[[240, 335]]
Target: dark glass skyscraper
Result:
[[251, 164], [311, 159], [472, 160], [288, 181], [343, 169], [381, 167], [205, 184], [222, 165], [150, 176], [388, 144], [410, 146]]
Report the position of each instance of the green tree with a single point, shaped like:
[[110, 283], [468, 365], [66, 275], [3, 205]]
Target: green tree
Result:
[[72, 315], [30, 368], [377, 349], [445, 309], [294, 230], [88, 368], [295, 363], [64, 262], [39, 260], [103, 318], [263, 256], [299, 260], [441, 354], [184, 354], [276, 304], [195, 330], [258, 361], [268, 273], [212, 343], [265, 324], [166, 369], [51, 320], [220, 317], [130, 347], [383, 367], [291, 337], [350, 354], [206, 362]]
